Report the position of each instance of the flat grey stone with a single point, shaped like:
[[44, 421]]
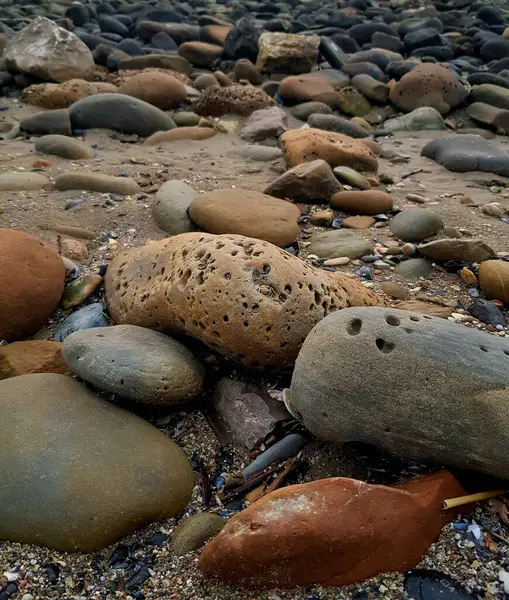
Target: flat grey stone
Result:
[[415, 224], [420, 119], [169, 207], [413, 268], [340, 242], [337, 124], [260, 153]]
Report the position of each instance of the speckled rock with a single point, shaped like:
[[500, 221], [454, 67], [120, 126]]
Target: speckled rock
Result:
[[415, 224], [170, 207], [97, 182], [64, 146], [180, 133], [95, 445], [235, 99], [245, 298], [420, 119], [287, 53], [263, 124], [158, 89], [33, 356], [62, 95], [32, 276], [192, 532]]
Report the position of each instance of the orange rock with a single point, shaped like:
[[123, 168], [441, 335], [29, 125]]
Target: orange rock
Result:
[[73, 249], [332, 532], [180, 133], [200, 54], [494, 280], [62, 95], [305, 145], [358, 222], [35, 356], [41, 164], [365, 202], [155, 87], [302, 88]]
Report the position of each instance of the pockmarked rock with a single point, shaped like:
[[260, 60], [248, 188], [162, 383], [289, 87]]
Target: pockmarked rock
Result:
[[315, 533], [245, 298], [468, 250], [49, 52], [340, 242], [32, 356], [287, 53], [32, 276], [194, 531], [494, 280], [247, 213], [170, 207], [62, 95], [46, 498], [415, 224], [64, 146], [235, 99], [97, 182], [409, 420], [135, 363]]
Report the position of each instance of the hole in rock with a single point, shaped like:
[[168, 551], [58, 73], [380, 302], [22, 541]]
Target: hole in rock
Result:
[[392, 320], [354, 327], [384, 346], [415, 319], [483, 348]]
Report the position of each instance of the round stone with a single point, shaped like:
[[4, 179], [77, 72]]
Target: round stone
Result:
[[494, 280], [367, 202], [194, 531], [415, 224]]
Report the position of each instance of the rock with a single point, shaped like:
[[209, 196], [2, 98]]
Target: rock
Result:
[[315, 533], [411, 420], [260, 153], [62, 95], [287, 447], [200, 54], [135, 363], [336, 262], [487, 312], [120, 112], [311, 182], [303, 88], [374, 90], [467, 153], [156, 61], [56, 122], [235, 99], [306, 109], [205, 80], [394, 290], [85, 318], [53, 483], [414, 268], [246, 213], [160, 90], [97, 182], [420, 119], [22, 182], [415, 224], [428, 85], [494, 280], [192, 533], [287, 53], [264, 124], [32, 276], [185, 119], [35, 356], [245, 70], [170, 207], [337, 124], [78, 290], [49, 52], [358, 222], [351, 177], [366, 202], [467, 250], [426, 308], [64, 146], [488, 93], [242, 40], [305, 145], [351, 102], [180, 133], [247, 299], [338, 243], [490, 115]]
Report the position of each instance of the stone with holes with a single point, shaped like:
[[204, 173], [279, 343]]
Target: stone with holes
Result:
[[134, 363], [246, 298], [437, 359]]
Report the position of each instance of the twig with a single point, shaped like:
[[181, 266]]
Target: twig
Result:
[[462, 500], [250, 483], [292, 465]]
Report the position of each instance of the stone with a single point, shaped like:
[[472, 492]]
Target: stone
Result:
[[358, 222], [259, 153], [467, 250], [205, 80], [79, 290], [185, 119], [414, 268], [287, 53], [494, 280], [306, 109], [337, 124], [338, 243], [374, 90], [90, 316], [246, 213], [170, 207], [303, 88], [247, 299], [32, 276], [22, 182], [410, 420], [263, 124], [135, 363], [311, 182], [62, 95], [64, 146], [242, 40], [315, 533], [156, 61], [351, 177], [489, 93], [97, 182], [364, 202], [487, 312], [351, 102], [421, 119], [235, 99], [56, 122], [490, 115], [425, 308], [156, 88], [180, 133], [394, 290], [34, 356], [467, 153], [200, 54], [179, 32], [305, 145], [215, 34], [246, 70], [120, 112], [415, 224], [73, 249], [152, 478], [49, 52], [193, 532], [428, 85]]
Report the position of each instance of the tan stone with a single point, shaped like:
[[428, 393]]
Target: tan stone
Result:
[[245, 70], [302, 88], [358, 222], [200, 54], [494, 280], [73, 249], [155, 87], [215, 34], [235, 99], [245, 298], [34, 356], [62, 95], [97, 182], [287, 52], [490, 115], [425, 308], [363, 202], [181, 133]]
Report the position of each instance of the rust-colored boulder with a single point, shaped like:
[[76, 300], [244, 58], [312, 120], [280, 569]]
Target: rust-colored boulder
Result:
[[155, 87], [334, 532], [245, 298], [364, 202], [180, 133], [428, 84], [34, 356], [234, 99], [494, 280], [32, 281], [62, 95], [247, 213], [337, 149], [303, 88]]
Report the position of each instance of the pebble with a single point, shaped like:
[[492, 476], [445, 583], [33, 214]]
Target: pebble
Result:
[[337, 262]]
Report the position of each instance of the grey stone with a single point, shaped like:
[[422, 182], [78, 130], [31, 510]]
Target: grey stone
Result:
[[85, 318], [120, 112], [135, 363], [64, 146], [194, 531], [488, 93], [283, 449], [415, 224], [468, 250], [186, 119], [79, 472], [413, 268], [263, 124], [19, 181], [351, 177], [337, 124], [341, 242], [260, 153], [169, 207], [48, 122], [306, 109], [420, 119], [417, 386]]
